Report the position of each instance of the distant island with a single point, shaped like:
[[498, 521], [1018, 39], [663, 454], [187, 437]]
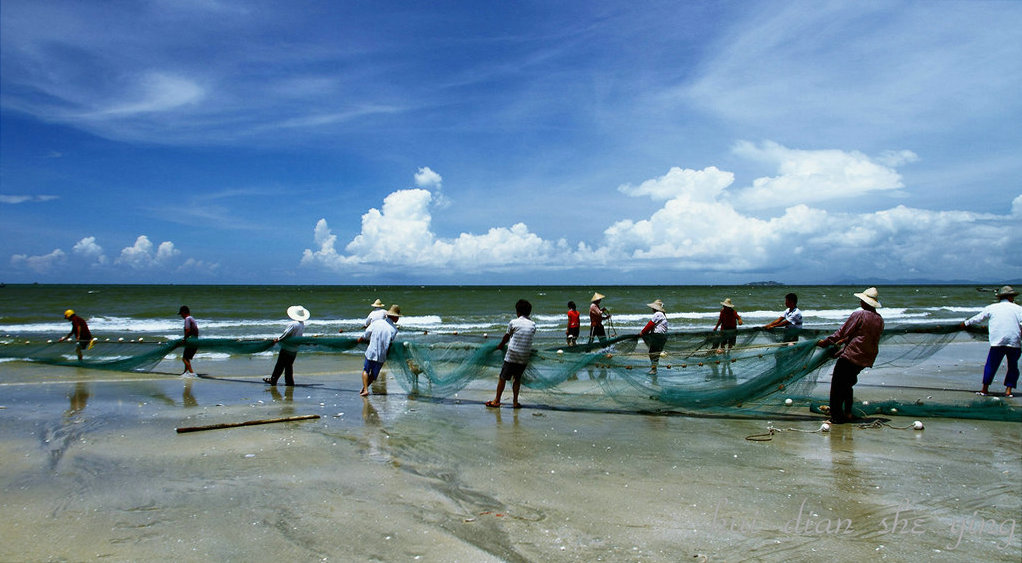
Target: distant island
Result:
[[765, 283]]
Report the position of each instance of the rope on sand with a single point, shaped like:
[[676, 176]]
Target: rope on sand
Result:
[[825, 427]]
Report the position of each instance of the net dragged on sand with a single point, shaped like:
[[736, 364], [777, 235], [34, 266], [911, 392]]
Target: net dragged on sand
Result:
[[696, 372]]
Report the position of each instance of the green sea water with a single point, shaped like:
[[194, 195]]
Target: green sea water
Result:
[[259, 311]]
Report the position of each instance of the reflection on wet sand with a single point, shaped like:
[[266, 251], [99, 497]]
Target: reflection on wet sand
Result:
[[187, 399], [59, 438], [446, 480]]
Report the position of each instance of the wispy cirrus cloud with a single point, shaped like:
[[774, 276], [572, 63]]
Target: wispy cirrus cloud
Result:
[[16, 199]]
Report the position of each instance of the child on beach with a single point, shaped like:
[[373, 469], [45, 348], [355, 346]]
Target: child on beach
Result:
[[574, 324], [518, 340], [379, 334], [727, 322]]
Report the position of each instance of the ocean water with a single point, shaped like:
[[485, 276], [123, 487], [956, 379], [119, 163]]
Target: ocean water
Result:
[[150, 311]]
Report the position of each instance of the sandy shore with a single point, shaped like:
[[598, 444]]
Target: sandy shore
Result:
[[93, 468]]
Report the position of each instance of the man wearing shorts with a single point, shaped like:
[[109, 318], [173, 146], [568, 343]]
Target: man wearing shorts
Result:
[[379, 334], [518, 340], [80, 332], [191, 331]]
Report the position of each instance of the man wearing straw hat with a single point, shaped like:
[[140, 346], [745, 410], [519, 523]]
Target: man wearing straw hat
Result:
[[378, 312], [379, 336], [861, 336], [727, 322], [597, 315], [288, 347], [655, 334], [1005, 329]]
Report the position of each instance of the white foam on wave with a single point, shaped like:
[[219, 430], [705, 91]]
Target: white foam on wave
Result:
[[170, 328]]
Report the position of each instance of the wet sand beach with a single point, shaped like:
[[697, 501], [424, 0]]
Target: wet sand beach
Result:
[[93, 469]]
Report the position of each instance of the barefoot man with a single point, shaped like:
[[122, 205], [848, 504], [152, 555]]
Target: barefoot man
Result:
[[379, 334], [518, 340]]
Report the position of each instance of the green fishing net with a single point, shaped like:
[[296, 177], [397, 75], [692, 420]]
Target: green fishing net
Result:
[[748, 372]]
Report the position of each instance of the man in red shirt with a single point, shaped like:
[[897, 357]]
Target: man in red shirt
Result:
[[571, 334], [861, 336], [80, 331]]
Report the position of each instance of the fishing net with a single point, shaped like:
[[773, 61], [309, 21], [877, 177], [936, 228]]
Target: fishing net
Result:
[[748, 372]]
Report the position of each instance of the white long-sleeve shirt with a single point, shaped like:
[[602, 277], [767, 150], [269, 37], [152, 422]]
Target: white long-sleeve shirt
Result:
[[379, 335], [294, 330], [1005, 323]]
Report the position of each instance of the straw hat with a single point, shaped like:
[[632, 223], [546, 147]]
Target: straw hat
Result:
[[394, 311], [727, 303], [1006, 291], [298, 313], [596, 297], [378, 304], [871, 296], [657, 305]]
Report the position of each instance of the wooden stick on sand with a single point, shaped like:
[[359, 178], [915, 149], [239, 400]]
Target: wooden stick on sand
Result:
[[184, 429]]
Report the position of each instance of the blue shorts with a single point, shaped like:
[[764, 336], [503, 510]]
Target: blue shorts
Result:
[[511, 370], [372, 368]]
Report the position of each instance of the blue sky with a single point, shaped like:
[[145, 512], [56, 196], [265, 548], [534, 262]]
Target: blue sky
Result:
[[193, 141]]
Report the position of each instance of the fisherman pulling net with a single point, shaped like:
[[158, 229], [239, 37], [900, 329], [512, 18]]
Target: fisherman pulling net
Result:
[[764, 369]]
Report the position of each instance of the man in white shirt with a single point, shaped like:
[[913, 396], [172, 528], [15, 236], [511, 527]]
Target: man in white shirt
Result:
[[377, 313], [379, 334], [790, 319], [288, 346], [1005, 327], [519, 349]]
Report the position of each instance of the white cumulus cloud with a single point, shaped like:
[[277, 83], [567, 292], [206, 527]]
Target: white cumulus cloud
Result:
[[400, 235], [811, 176], [701, 227], [694, 185], [426, 178], [88, 248], [141, 255]]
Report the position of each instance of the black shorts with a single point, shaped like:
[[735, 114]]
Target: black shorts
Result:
[[656, 342], [573, 331], [728, 337], [189, 352], [511, 370]]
